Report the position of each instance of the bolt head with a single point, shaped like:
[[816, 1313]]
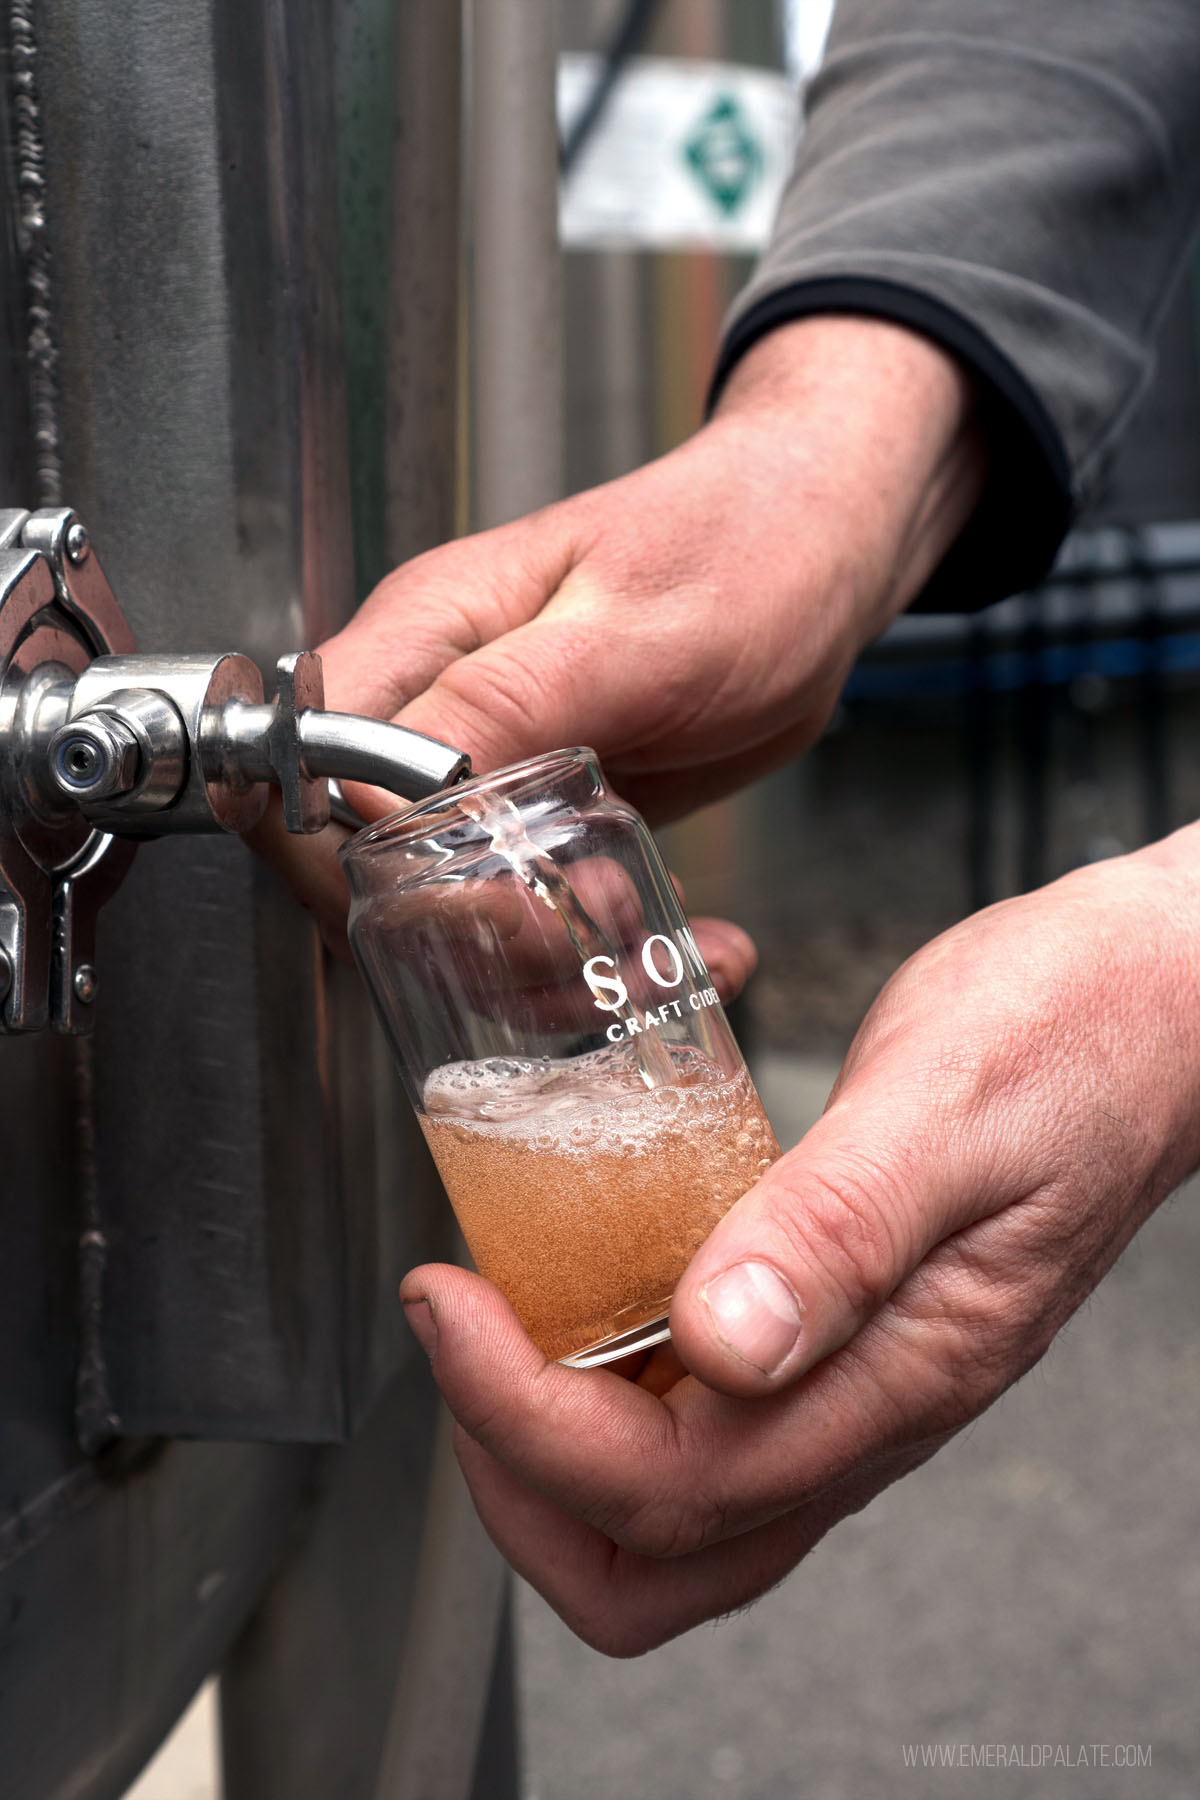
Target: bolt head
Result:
[[86, 983], [95, 758], [76, 542]]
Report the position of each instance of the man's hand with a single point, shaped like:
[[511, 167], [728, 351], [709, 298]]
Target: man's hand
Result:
[[1023, 1093], [694, 621]]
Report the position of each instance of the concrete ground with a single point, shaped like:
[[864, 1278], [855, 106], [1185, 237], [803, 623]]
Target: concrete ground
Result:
[[1037, 1584]]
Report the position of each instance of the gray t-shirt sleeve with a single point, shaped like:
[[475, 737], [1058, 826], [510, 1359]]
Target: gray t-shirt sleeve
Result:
[[1019, 180]]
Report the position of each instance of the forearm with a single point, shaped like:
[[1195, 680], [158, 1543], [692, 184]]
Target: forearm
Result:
[[880, 427]]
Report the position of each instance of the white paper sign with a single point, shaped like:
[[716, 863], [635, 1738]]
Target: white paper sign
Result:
[[686, 155]]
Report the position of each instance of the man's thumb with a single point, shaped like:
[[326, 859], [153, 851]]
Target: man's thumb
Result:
[[814, 1249]]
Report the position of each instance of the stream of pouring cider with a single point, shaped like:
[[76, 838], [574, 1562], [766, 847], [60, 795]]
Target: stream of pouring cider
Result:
[[585, 1184]]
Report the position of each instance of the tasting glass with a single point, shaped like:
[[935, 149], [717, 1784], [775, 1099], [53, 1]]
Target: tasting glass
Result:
[[559, 1036]]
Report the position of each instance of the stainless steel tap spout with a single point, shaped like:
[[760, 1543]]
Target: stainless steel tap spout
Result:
[[354, 748], [346, 747]]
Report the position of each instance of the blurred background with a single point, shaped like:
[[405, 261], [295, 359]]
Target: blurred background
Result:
[[1038, 1583]]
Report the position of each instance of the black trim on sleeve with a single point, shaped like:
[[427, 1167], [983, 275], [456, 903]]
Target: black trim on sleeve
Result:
[[1011, 540]]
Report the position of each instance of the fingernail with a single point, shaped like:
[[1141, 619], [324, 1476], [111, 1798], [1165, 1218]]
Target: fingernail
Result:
[[419, 1314], [755, 1313]]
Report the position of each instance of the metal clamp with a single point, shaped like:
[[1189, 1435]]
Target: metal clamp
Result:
[[101, 746], [57, 614]]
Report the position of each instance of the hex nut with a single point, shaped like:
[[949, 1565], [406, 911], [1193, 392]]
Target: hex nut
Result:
[[96, 757]]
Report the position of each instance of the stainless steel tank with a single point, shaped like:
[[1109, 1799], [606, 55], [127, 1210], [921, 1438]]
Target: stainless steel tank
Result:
[[231, 339]]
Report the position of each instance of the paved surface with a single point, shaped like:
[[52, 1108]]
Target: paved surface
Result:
[[1037, 1584]]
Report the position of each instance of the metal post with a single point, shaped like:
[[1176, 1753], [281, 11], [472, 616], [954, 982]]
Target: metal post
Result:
[[516, 285], [517, 394], [425, 246]]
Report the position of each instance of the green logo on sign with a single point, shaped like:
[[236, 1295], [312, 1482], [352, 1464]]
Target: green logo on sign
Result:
[[725, 156]]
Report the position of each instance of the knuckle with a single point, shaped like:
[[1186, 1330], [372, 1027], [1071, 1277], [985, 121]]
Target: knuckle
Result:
[[849, 1226], [496, 694], [484, 1423], [979, 1331], [500, 1423], [666, 1526], [621, 1635], [627, 1614], [998, 1310], [974, 1354]]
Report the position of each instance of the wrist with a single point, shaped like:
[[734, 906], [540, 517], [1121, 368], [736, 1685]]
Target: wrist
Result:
[[875, 428]]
